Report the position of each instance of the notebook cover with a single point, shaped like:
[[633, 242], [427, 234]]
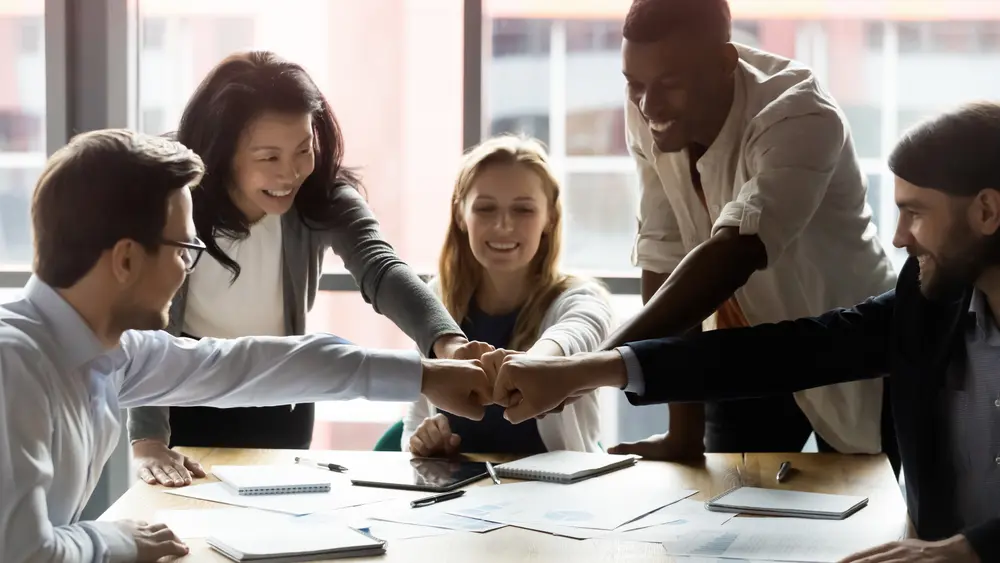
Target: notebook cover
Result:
[[272, 479]]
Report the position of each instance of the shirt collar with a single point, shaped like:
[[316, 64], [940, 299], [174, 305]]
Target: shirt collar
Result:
[[76, 343], [986, 327], [727, 140]]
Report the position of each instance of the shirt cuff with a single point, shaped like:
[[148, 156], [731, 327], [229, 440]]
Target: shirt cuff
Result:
[[119, 547], [633, 370], [395, 376]]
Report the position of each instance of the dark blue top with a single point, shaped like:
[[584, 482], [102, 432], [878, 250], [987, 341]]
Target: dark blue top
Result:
[[493, 434]]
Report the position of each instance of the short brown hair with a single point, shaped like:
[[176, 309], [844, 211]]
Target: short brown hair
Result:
[[957, 152], [648, 21], [102, 187]]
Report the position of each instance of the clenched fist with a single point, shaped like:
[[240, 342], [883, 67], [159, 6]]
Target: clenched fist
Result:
[[532, 385], [457, 386]]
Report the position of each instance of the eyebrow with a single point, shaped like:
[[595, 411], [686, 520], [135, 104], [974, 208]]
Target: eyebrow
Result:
[[308, 139]]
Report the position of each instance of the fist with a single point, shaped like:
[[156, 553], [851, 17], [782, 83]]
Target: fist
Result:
[[434, 438], [529, 386], [457, 386]]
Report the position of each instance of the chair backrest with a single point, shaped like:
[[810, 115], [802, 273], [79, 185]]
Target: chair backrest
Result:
[[392, 439]]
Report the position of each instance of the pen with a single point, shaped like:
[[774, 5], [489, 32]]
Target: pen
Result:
[[330, 466], [427, 501], [783, 470], [492, 472]]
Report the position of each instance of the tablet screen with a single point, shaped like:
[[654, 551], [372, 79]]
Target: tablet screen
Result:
[[424, 474]]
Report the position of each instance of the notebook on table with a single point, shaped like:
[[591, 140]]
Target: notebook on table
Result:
[[272, 479], [293, 544], [777, 502], [564, 466]]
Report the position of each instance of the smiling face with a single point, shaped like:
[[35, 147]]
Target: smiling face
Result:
[[505, 214], [273, 157], [680, 86], [150, 279], [953, 238]]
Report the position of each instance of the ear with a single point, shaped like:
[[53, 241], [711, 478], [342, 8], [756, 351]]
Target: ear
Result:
[[730, 58], [127, 260]]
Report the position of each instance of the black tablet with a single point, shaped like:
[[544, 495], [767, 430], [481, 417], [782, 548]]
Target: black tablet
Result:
[[423, 474]]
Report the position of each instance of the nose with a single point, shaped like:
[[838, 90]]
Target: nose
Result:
[[902, 237], [505, 222]]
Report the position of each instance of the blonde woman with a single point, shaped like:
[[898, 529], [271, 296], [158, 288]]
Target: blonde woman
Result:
[[499, 279]]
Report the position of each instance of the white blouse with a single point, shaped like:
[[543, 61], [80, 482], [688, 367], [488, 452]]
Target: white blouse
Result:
[[253, 305]]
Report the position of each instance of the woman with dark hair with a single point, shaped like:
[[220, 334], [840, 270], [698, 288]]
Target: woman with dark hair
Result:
[[274, 198]]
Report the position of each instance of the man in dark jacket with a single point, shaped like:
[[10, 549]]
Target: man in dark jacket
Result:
[[935, 335]]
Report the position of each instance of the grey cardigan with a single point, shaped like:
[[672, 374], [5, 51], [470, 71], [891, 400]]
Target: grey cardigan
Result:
[[386, 282]]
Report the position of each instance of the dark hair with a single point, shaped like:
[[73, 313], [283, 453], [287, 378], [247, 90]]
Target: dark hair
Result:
[[956, 152], [651, 20], [239, 89], [102, 187]]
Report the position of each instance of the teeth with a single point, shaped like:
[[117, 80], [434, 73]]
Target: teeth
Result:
[[659, 126], [502, 245], [274, 193]]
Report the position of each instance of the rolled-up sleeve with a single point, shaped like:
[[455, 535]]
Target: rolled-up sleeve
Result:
[[658, 244], [791, 163]]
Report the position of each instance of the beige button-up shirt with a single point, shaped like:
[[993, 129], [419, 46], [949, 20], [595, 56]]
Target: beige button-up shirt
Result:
[[783, 168]]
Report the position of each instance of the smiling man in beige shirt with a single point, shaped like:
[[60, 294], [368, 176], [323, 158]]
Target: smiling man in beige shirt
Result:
[[753, 210]]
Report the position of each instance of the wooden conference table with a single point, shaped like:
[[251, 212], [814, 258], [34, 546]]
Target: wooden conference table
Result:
[[869, 476]]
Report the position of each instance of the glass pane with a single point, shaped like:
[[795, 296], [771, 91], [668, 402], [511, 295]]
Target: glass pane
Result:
[[22, 126], [599, 223], [943, 64], [518, 55], [392, 71]]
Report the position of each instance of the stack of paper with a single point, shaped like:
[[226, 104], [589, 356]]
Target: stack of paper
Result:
[[296, 543]]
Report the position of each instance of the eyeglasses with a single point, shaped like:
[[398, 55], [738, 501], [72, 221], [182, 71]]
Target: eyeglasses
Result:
[[192, 251]]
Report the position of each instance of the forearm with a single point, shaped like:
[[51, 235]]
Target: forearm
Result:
[[407, 301], [262, 371], [545, 347], [706, 277], [149, 423], [85, 542]]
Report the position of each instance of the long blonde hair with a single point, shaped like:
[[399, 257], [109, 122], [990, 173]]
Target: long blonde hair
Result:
[[459, 273]]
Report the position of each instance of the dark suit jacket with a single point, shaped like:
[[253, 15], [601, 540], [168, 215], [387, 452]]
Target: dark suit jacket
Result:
[[900, 333]]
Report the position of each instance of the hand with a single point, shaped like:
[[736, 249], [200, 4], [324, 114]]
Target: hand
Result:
[[457, 386], [152, 542], [433, 438], [456, 347], [160, 464], [532, 385], [955, 549], [663, 447]]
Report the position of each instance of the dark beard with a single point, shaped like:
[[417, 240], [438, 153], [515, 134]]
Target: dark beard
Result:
[[962, 260]]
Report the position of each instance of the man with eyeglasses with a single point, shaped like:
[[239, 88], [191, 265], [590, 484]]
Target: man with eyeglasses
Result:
[[114, 239]]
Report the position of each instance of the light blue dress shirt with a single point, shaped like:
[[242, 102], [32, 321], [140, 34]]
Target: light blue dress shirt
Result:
[[61, 393], [633, 369]]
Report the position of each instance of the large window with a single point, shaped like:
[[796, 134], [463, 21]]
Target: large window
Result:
[[22, 126], [563, 65]]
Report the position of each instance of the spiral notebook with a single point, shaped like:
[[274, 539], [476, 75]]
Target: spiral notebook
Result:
[[272, 479], [780, 502], [287, 544], [564, 466]]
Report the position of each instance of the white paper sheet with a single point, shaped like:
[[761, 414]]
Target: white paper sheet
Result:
[[434, 516], [685, 512], [296, 504], [205, 522], [589, 504], [777, 539], [358, 517]]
